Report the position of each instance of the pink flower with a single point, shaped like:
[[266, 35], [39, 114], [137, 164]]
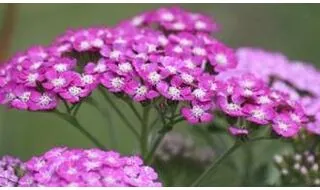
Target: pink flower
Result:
[[45, 101], [87, 168], [197, 114], [113, 82], [229, 107], [259, 114], [284, 126], [174, 91], [221, 57], [140, 92]]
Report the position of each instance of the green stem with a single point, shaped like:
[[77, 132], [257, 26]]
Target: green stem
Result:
[[144, 132], [154, 147], [106, 114], [218, 161], [76, 109], [122, 116], [74, 122], [161, 134], [135, 111]]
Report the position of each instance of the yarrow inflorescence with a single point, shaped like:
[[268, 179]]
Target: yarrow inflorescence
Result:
[[62, 166], [158, 56], [298, 79], [141, 62], [10, 169]]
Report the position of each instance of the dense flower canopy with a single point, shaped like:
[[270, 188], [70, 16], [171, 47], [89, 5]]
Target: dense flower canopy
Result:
[[298, 79], [87, 168], [166, 54]]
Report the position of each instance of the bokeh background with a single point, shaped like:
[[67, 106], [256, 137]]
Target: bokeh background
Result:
[[291, 28]]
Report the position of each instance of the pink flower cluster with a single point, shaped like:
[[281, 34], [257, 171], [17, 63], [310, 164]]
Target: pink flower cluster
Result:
[[175, 19], [8, 171], [87, 168], [248, 97], [300, 80], [141, 62], [146, 63]]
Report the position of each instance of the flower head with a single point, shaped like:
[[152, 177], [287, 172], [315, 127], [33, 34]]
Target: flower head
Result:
[[89, 168]]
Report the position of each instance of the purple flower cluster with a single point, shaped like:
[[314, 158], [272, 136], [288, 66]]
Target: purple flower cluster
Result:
[[87, 168], [299, 80], [140, 62], [9, 168], [177, 60], [248, 97], [175, 19]]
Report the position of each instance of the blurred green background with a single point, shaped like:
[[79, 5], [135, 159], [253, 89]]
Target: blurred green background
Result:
[[292, 29]]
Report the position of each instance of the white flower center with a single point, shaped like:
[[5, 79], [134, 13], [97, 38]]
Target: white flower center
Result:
[[233, 107], [125, 67], [264, 100], [259, 114], [32, 77], [172, 69], [60, 67], [185, 42], [221, 59], [199, 51], [120, 40], [98, 42], [117, 82], [187, 78], [189, 64], [58, 82], [137, 20], [247, 83], [177, 49], [25, 96], [44, 100], [36, 65], [75, 91], [163, 40], [248, 92], [141, 90], [200, 25], [115, 54], [197, 111], [167, 17], [179, 26], [109, 179], [87, 79], [84, 45], [283, 126], [151, 48], [174, 92], [100, 67], [72, 171], [199, 93], [295, 117], [154, 77]]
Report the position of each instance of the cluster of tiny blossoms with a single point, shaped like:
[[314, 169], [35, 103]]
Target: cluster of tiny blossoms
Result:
[[87, 168], [299, 168], [9, 168], [300, 80], [131, 59], [166, 54], [249, 98]]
